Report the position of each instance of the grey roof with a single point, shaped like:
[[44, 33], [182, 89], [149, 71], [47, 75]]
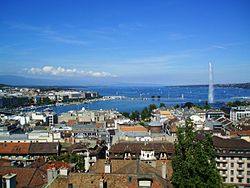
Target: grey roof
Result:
[[132, 134], [15, 137], [154, 124], [43, 148], [82, 126]]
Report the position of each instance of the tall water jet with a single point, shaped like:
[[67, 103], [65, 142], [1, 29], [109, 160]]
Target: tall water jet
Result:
[[211, 85]]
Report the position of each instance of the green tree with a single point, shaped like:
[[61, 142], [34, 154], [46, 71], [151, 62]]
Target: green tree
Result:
[[177, 106], [145, 114], [31, 100], [125, 114], [194, 161], [207, 106], [135, 115], [151, 107], [188, 105], [46, 100], [162, 105]]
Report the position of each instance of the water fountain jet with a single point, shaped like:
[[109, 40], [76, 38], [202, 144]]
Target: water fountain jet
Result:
[[211, 85]]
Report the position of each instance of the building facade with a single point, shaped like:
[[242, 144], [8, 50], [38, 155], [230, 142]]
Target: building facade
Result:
[[233, 160]]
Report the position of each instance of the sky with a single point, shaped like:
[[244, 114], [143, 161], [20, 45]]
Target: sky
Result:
[[163, 42]]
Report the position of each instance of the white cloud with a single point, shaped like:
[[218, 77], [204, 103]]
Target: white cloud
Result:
[[60, 71]]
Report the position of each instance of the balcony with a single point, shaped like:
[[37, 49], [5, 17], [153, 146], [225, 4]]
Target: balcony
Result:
[[224, 175], [222, 167], [240, 168], [240, 175], [240, 161], [223, 160]]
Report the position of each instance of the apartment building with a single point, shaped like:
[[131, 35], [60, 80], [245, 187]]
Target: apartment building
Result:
[[237, 113], [233, 160]]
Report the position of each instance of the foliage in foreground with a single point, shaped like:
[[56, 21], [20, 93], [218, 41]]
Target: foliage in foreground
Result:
[[194, 162]]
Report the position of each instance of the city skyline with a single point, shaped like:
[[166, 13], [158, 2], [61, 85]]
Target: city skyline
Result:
[[132, 42]]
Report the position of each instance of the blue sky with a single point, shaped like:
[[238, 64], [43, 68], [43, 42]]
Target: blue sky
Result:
[[164, 42]]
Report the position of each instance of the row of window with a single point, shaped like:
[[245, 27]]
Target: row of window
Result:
[[232, 158], [232, 165], [239, 180]]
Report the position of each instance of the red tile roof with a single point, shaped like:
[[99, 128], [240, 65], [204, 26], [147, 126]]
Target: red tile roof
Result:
[[14, 148], [240, 133], [133, 128], [26, 177]]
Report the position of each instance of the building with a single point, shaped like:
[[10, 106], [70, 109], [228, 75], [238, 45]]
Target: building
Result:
[[233, 160], [52, 118], [117, 174], [155, 127], [237, 113], [149, 152], [26, 153], [11, 101], [88, 132], [214, 114]]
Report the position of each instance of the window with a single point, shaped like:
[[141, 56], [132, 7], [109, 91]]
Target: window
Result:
[[248, 172], [240, 158], [248, 165], [232, 179], [224, 179], [248, 180], [240, 180], [224, 172], [240, 165], [224, 165], [240, 172], [232, 158], [232, 172], [129, 179], [232, 165]]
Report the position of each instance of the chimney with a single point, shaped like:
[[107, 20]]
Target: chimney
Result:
[[63, 171], [9, 181], [107, 167], [137, 167], [164, 170], [51, 173], [102, 182]]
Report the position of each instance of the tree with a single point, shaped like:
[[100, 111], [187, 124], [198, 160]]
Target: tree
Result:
[[46, 100], [207, 106], [125, 114], [194, 161], [152, 107], [145, 114], [177, 106], [188, 105], [162, 105], [135, 115]]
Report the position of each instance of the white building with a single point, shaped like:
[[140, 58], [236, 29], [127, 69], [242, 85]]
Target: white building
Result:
[[236, 113], [198, 122]]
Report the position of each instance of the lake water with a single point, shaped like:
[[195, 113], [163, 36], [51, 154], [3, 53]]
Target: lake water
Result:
[[169, 95]]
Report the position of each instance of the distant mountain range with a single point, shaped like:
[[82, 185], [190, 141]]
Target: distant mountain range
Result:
[[66, 83], [237, 85], [28, 81], [240, 85]]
